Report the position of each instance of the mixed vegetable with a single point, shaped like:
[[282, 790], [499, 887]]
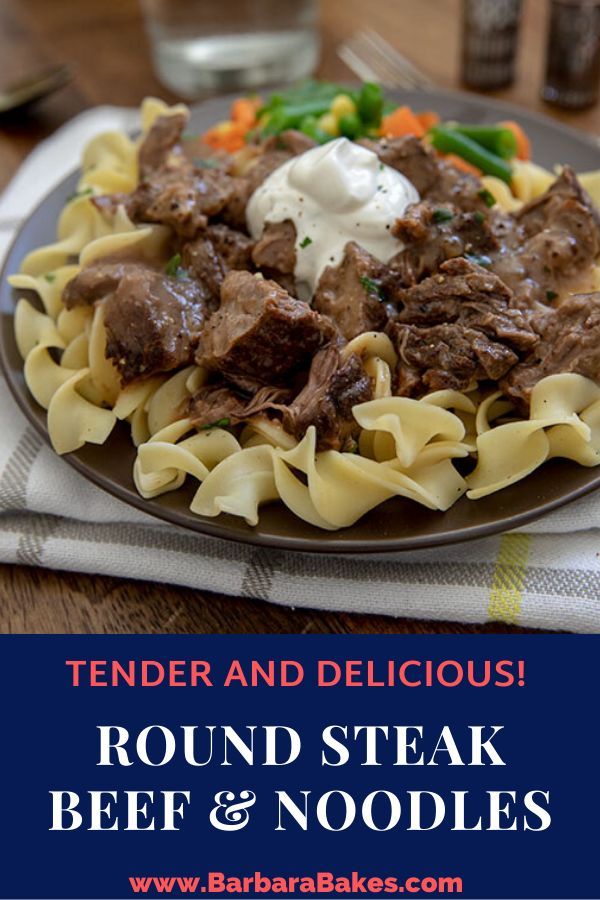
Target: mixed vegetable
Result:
[[324, 111]]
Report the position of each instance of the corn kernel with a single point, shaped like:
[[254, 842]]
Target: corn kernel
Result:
[[329, 124], [343, 105]]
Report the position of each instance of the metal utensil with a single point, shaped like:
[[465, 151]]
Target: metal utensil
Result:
[[33, 88], [372, 58]]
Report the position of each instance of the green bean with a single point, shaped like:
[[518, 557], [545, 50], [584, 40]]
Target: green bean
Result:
[[370, 103], [283, 117], [350, 126], [500, 141], [310, 126], [448, 140]]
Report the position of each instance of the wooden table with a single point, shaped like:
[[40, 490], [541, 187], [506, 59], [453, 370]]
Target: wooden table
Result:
[[106, 45]]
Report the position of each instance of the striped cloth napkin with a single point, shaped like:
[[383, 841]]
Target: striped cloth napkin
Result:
[[548, 576]]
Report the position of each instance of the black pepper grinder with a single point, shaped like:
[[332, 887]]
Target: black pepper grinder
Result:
[[573, 54], [490, 32]]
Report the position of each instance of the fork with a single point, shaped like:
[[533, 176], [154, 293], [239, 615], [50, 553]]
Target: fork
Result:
[[372, 58]]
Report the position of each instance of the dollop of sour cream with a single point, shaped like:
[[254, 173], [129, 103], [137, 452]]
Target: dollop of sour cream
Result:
[[334, 193]]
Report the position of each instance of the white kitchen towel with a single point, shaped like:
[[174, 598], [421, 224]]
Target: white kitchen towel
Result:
[[547, 576]]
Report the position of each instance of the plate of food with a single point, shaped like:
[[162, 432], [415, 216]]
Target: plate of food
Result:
[[326, 319]]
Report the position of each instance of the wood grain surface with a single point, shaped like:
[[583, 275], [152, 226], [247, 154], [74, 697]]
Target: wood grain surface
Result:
[[105, 44]]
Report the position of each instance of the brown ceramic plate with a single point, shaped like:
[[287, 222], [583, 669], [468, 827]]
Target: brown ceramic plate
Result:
[[398, 524]]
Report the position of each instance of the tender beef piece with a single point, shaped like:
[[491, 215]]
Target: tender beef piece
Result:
[[159, 142], [334, 386], [409, 156], [433, 178], [275, 253], [432, 234], [210, 256], [548, 244], [260, 331], [275, 151], [153, 323], [455, 186], [234, 212], [536, 215], [95, 281], [445, 356], [234, 247], [569, 342], [182, 197], [472, 297], [351, 293], [456, 327], [213, 403], [292, 141]]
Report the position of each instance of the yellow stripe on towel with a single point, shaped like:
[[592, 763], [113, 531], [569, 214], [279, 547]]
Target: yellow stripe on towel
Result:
[[508, 579]]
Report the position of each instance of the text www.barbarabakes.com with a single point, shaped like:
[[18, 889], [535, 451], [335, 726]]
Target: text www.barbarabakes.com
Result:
[[317, 883]]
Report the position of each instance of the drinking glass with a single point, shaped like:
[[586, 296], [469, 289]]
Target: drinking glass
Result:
[[212, 46]]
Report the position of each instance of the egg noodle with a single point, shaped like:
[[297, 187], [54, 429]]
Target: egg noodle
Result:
[[406, 447]]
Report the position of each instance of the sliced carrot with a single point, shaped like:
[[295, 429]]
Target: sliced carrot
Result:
[[244, 109], [523, 145], [401, 122], [459, 163], [228, 136], [428, 118]]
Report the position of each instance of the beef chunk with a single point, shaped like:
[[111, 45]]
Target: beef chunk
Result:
[[208, 258], [409, 156], [275, 253], [234, 212], [94, 282], [260, 331], [433, 178], [274, 152], [445, 356], [456, 327], [351, 293], [153, 323], [455, 186], [213, 403], [182, 197], [291, 141], [334, 386], [432, 234], [234, 247], [569, 342], [538, 213], [159, 142], [548, 243], [471, 296]]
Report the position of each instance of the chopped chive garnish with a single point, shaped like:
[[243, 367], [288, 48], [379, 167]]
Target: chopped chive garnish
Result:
[[84, 192], [371, 286], [442, 215], [202, 163], [50, 277], [305, 242], [479, 217], [479, 259], [220, 423], [173, 265], [551, 295], [487, 197]]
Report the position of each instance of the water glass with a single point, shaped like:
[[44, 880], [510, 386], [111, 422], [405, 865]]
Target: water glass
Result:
[[212, 46]]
